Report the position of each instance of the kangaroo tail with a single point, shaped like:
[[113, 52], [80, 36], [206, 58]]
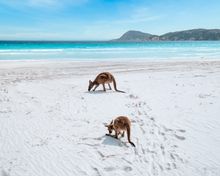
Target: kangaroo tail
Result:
[[115, 86], [128, 134]]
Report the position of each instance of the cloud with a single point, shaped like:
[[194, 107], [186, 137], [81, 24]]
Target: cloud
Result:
[[137, 20], [136, 15], [41, 3], [140, 14], [55, 2]]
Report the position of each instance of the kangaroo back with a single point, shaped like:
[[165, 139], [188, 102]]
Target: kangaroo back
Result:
[[102, 77], [129, 134], [115, 86]]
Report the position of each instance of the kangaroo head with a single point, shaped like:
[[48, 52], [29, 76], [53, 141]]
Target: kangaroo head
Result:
[[110, 127], [91, 84]]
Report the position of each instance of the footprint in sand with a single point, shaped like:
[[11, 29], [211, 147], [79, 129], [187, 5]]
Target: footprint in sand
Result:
[[127, 168], [160, 138], [179, 137], [131, 96], [4, 173], [181, 130], [108, 169], [97, 171]]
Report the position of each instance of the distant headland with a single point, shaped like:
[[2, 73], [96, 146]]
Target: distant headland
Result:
[[186, 35]]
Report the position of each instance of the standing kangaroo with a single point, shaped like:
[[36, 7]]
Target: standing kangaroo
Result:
[[120, 125], [103, 78]]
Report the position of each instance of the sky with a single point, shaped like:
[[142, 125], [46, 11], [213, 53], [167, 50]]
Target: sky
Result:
[[102, 19]]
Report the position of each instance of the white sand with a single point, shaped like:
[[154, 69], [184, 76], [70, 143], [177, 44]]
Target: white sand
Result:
[[51, 126]]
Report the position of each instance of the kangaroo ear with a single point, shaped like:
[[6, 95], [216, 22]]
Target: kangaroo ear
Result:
[[111, 122], [90, 81]]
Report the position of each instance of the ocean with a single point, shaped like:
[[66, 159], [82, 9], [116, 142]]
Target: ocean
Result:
[[40, 50]]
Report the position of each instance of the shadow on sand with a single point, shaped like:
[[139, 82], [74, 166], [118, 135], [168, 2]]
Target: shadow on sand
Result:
[[110, 140], [100, 92]]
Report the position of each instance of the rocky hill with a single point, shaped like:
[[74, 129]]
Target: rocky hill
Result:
[[186, 35], [137, 36]]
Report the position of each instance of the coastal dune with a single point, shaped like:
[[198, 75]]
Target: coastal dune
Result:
[[51, 125]]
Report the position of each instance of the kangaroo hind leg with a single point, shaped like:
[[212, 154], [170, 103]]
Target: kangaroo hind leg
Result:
[[123, 134], [109, 86], [104, 87]]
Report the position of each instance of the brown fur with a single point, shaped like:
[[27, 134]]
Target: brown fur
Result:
[[120, 125], [103, 78]]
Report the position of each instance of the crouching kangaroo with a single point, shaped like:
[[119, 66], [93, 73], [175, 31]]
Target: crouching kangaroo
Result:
[[103, 78], [120, 125]]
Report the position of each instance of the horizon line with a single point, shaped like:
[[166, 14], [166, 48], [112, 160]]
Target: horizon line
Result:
[[101, 40]]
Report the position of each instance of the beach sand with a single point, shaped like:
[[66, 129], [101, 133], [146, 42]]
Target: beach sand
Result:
[[51, 126]]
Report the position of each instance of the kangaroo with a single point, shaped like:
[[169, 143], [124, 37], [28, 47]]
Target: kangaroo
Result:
[[120, 125], [103, 78]]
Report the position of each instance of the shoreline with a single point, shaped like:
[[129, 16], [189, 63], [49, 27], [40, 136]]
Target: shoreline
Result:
[[113, 60], [148, 61]]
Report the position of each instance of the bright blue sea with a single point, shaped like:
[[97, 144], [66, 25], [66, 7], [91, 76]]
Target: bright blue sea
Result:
[[109, 51]]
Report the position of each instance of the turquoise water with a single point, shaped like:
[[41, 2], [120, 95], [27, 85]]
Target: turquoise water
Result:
[[109, 50]]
